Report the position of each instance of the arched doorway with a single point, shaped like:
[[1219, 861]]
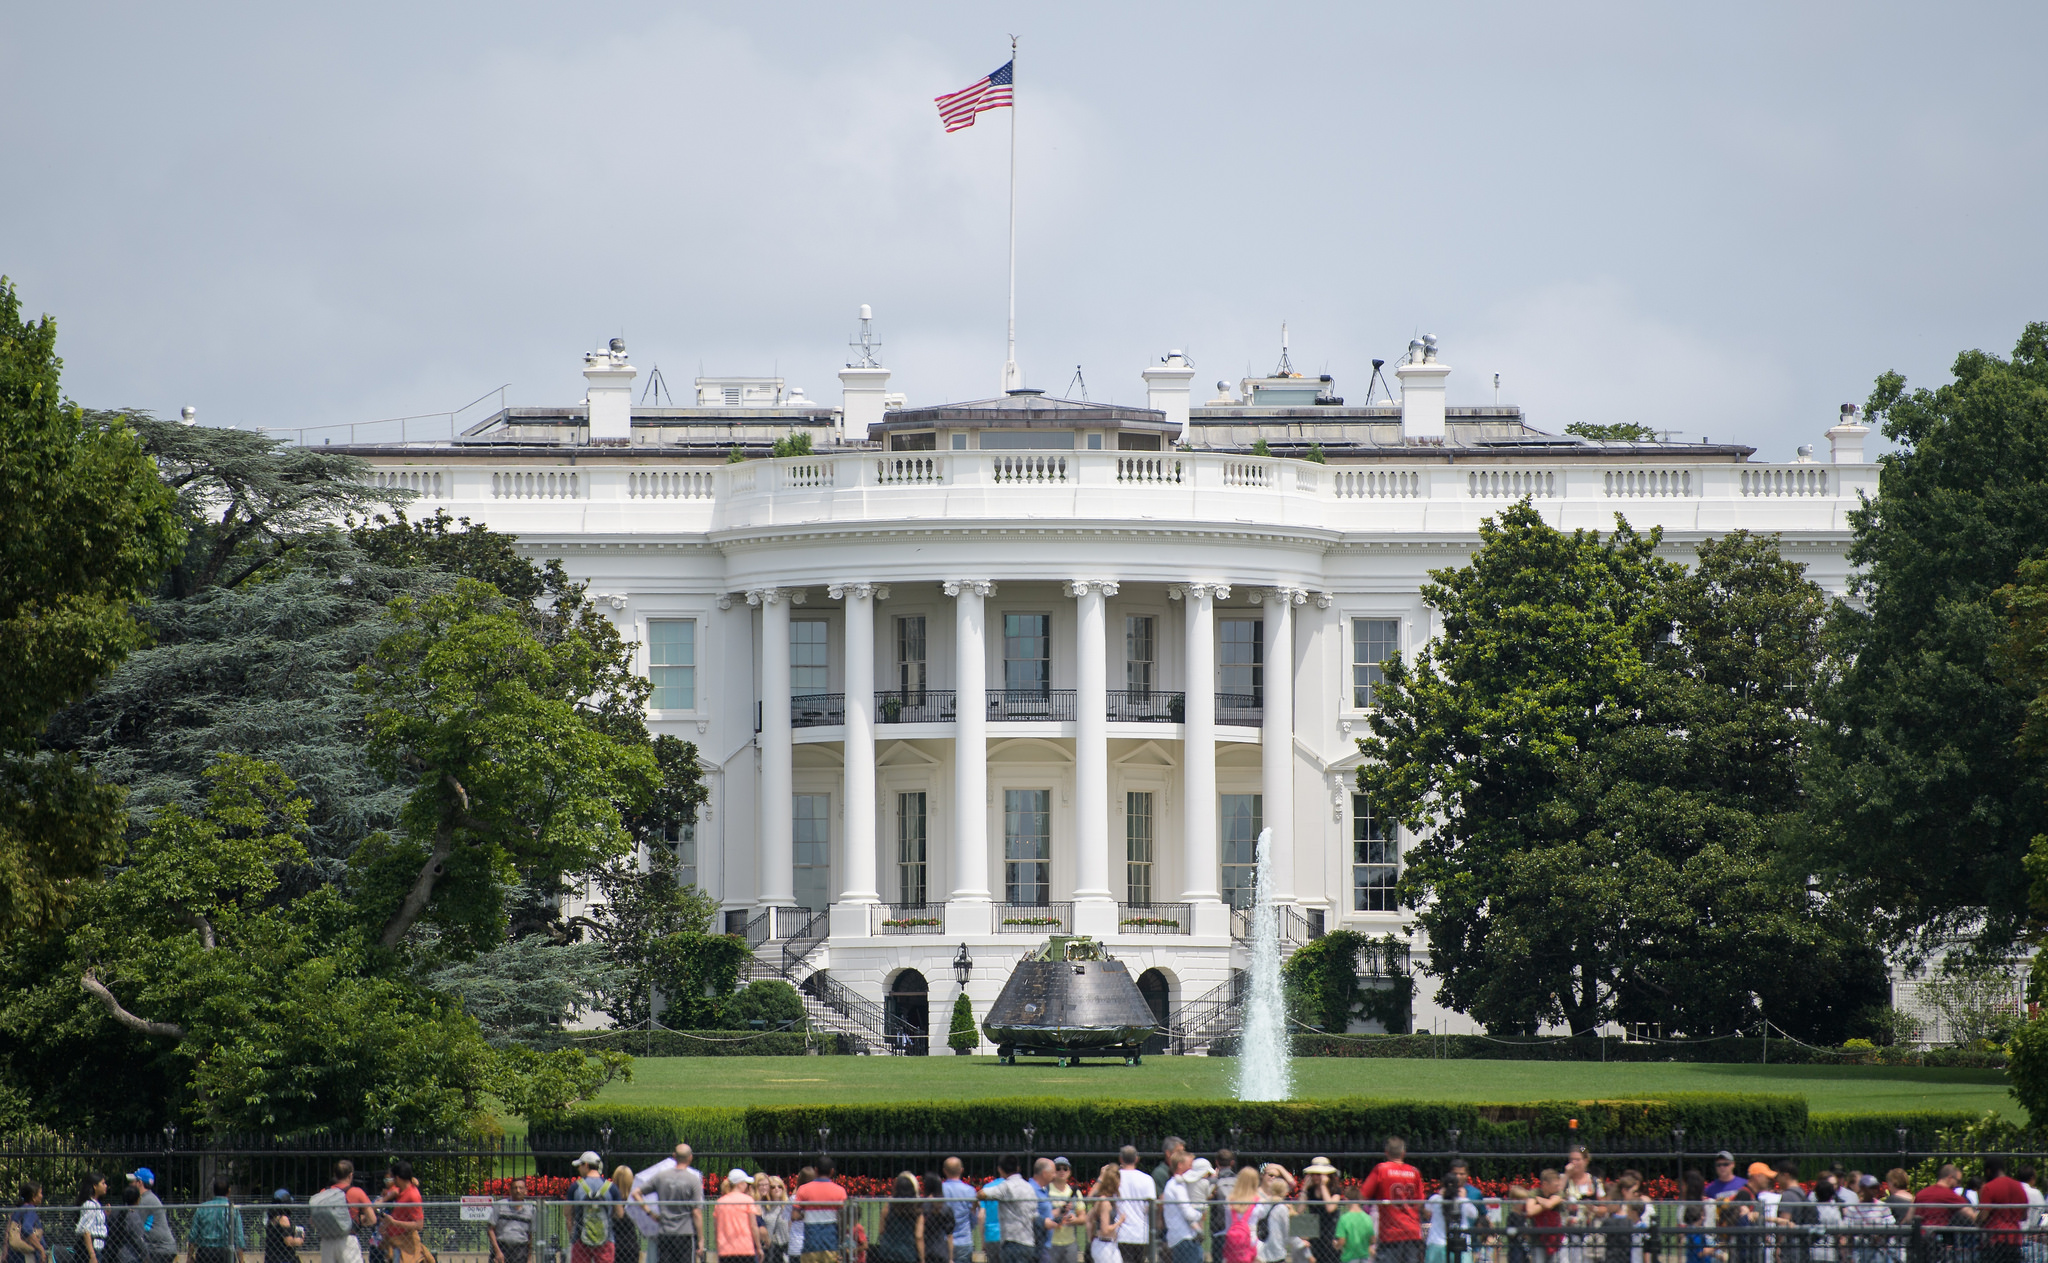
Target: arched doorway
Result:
[[1158, 993], [907, 1014]]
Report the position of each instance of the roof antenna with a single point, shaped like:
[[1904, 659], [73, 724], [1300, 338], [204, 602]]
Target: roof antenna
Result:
[[657, 388], [1380, 381], [1078, 382], [1286, 368], [867, 346]]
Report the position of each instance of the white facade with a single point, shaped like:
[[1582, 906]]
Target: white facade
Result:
[[994, 665]]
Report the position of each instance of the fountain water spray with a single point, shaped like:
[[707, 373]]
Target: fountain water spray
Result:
[[1264, 1072]]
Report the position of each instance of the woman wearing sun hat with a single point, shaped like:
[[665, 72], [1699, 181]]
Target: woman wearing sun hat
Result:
[[1320, 1207]]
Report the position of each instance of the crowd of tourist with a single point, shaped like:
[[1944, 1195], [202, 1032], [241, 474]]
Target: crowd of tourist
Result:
[[1183, 1209]]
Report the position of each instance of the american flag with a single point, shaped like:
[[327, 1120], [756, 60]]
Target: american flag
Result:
[[990, 92]]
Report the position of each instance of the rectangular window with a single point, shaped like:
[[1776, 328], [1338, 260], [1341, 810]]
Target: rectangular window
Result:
[[1027, 847], [811, 831], [1240, 659], [1375, 858], [1239, 837], [910, 657], [672, 663], [1027, 653], [808, 658], [911, 868], [1373, 641], [1139, 653], [682, 844], [1138, 848]]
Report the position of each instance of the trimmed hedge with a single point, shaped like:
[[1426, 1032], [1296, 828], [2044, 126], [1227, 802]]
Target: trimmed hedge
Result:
[[1777, 1052], [644, 1043]]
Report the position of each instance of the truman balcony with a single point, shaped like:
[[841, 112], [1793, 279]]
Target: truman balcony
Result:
[[939, 706]]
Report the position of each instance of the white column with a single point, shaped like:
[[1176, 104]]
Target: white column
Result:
[[1198, 756], [1276, 738], [968, 907], [1094, 900], [775, 880], [861, 860]]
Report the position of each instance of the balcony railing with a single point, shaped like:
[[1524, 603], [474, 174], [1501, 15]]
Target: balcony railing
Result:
[[792, 922], [817, 710], [1244, 710], [1155, 918], [1024, 705], [908, 918], [1146, 706], [1034, 918], [915, 706]]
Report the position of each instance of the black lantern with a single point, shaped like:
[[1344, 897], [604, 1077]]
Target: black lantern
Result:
[[963, 966]]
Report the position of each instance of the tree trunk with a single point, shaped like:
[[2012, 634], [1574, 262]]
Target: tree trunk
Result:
[[416, 899], [97, 989]]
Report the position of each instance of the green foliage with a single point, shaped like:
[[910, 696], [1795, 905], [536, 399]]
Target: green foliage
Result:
[[737, 456], [694, 976], [964, 1034], [1259, 448], [1919, 754], [770, 1001], [1604, 750], [717, 1043], [796, 443], [89, 528], [452, 547], [516, 740], [1315, 454], [639, 908], [525, 989], [1324, 979], [2028, 1072], [1618, 432], [544, 1084], [1977, 1000]]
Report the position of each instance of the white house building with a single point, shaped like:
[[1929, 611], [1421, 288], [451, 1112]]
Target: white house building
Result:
[[973, 672]]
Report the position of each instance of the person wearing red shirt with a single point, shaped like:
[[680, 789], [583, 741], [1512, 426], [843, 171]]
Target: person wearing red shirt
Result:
[[1932, 1205], [1545, 1213], [2002, 1208], [1400, 1186]]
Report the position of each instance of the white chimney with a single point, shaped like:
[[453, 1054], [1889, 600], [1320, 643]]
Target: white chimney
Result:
[[863, 384], [1422, 391], [1168, 385], [1845, 441], [609, 392]]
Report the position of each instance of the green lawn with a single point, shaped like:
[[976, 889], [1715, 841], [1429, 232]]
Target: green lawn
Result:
[[853, 1080]]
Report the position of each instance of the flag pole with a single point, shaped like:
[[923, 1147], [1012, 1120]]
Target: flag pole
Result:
[[1011, 377]]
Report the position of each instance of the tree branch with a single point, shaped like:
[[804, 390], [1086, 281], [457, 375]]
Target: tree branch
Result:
[[94, 987], [415, 902], [204, 926]]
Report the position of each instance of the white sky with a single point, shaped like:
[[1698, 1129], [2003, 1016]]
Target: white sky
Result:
[[1722, 219]]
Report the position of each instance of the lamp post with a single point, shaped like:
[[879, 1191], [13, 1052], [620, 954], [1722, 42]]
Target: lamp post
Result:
[[963, 966]]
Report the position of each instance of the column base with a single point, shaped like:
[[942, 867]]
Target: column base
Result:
[[851, 919], [969, 917], [1212, 918], [1095, 918]]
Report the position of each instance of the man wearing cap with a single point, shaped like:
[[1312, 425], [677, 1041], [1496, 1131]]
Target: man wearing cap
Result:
[[591, 1218], [1725, 1180], [737, 1220], [1750, 1203], [1067, 1215], [148, 1222], [679, 1209]]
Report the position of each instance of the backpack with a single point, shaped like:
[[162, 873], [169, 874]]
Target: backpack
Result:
[[213, 1225], [1237, 1239], [595, 1231], [328, 1210]]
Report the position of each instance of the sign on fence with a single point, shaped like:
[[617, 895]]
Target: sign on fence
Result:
[[476, 1209]]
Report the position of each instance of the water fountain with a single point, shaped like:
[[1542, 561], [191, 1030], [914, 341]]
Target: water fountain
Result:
[[1264, 1070]]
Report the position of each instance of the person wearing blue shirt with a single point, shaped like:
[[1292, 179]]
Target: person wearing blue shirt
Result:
[[965, 1209]]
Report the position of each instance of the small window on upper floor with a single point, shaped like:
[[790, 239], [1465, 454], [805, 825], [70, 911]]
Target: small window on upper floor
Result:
[[809, 660], [1095, 442], [1373, 641], [672, 663], [913, 442]]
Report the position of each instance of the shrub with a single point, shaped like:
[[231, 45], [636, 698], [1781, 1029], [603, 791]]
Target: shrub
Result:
[[963, 1034]]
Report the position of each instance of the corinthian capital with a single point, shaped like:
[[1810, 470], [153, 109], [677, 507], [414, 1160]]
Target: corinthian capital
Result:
[[863, 591], [1080, 587], [1219, 591], [980, 587]]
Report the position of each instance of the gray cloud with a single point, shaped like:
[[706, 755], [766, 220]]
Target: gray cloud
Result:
[[1720, 220]]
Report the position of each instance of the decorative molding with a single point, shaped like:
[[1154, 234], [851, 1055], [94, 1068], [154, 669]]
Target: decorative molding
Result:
[[1079, 587], [1176, 591], [881, 592], [1217, 591], [1280, 596], [865, 591], [980, 587], [725, 600], [617, 600], [1323, 600], [770, 596]]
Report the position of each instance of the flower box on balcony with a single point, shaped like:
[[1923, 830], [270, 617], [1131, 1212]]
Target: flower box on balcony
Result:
[[1162, 922], [905, 923], [1031, 921]]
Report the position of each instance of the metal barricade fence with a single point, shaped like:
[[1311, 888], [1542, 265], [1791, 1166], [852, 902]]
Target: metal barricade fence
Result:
[[885, 1230]]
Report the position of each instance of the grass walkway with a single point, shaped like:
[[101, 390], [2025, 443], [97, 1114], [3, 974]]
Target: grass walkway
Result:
[[863, 1080]]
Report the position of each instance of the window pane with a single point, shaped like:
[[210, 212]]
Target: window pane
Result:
[[1375, 859], [1373, 641], [682, 844], [1027, 652], [910, 655], [811, 831], [1027, 846], [672, 663], [1138, 653], [1138, 847], [1240, 845], [807, 657], [911, 850], [1240, 658]]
